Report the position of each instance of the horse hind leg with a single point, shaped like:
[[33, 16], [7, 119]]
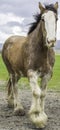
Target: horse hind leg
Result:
[[18, 108], [12, 88], [10, 96]]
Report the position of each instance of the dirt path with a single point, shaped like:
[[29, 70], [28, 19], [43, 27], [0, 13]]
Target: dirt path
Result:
[[10, 122]]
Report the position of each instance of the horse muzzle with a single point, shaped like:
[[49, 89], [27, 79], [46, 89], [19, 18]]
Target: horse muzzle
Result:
[[51, 43]]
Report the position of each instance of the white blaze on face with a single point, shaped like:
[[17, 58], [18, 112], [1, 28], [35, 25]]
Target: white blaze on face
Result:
[[50, 25]]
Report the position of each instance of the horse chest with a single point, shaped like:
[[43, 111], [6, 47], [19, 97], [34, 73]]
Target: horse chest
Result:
[[37, 62]]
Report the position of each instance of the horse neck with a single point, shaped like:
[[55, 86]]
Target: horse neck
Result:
[[36, 36], [36, 40]]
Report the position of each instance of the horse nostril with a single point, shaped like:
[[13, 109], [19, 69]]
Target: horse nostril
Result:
[[48, 41]]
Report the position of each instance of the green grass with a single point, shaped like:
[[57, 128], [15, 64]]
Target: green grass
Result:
[[54, 83], [3, 70]]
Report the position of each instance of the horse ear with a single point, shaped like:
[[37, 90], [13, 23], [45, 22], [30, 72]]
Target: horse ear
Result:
[[56, 5], [41, 7]]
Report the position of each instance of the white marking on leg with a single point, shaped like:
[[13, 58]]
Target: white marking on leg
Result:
[[33, 77], [36, 92]]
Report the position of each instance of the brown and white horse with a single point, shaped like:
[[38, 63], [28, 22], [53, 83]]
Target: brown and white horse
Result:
[[32, 56]]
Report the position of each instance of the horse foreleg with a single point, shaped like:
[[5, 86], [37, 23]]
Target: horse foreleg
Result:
[[36, 113], [35, 108], [44, 82]]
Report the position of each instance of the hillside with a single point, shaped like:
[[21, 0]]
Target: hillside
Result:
[[57, 46]]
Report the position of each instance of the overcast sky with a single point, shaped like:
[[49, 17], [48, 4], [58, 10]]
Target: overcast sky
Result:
[[15, 15]]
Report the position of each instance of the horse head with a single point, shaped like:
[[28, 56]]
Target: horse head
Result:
[[49, 23]]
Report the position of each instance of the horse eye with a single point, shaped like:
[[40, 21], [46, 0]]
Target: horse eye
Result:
[[42, 20]]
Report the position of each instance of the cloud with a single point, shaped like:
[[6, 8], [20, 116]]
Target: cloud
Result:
[[3, 37], [22, 8], [18, 31], [6, 28], [5, 18]]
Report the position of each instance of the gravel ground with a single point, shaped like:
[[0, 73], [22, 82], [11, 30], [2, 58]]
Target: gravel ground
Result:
[[8, 121]]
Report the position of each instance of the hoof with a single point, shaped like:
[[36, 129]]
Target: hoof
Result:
[[40, 120], [10, 105], [19, 112]]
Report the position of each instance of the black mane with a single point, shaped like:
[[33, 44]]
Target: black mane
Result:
[[34, 25], [38, 18]]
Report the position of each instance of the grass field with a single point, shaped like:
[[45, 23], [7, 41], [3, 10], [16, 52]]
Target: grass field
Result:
[[54, 83]]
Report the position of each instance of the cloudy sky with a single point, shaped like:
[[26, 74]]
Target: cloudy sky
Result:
[[15, 15]]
